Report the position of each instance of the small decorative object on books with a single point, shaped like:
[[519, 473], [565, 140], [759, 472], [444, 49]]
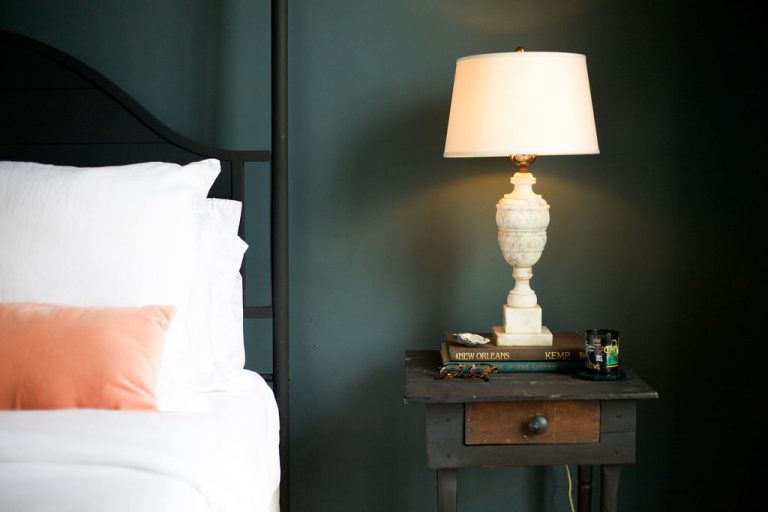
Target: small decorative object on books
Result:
[[469, 339]]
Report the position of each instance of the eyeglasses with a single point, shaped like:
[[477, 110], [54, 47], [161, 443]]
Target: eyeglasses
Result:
[[478, 370]]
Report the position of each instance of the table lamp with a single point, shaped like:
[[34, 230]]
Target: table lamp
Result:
[[521, 105]]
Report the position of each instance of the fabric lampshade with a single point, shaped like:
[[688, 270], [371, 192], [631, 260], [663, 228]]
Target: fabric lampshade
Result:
[[518, 103]]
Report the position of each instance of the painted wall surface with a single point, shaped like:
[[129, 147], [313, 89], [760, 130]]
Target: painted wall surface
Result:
[[391, 245]]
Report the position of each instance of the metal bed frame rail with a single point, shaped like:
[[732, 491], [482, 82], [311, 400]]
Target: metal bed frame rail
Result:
[[279, 219]]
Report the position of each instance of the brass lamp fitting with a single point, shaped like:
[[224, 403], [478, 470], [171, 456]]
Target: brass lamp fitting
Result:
[[522, 161]]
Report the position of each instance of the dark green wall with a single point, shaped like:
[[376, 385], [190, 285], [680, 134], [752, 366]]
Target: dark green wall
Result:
[[391, 244]]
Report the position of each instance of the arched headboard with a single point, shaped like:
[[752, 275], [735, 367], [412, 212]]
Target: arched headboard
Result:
[[57, 110]]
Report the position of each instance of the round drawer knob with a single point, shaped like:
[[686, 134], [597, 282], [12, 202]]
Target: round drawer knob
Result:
[[538, 425]]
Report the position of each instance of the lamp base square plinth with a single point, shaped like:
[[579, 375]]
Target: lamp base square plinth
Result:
[[527, 339], [522, 320]]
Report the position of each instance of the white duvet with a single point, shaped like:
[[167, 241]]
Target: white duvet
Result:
[[222, 460]]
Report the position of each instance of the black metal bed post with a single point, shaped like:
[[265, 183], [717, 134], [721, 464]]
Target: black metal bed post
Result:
[[280, 235]]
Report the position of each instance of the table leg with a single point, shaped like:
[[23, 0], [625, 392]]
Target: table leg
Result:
[[585, 488], [446, 489], [609, 487]]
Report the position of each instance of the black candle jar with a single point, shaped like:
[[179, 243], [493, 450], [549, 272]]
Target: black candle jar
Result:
[[602, 355]]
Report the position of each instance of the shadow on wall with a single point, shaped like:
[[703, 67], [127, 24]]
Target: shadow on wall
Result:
[[394, 180], [363, 440]]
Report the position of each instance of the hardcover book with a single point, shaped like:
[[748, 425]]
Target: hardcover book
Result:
[[520, 366], [566, 346]]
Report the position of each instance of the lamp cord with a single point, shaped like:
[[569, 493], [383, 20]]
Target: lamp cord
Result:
[[570, 487]]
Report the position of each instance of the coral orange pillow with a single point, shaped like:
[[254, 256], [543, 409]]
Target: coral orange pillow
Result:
[[61, 357]]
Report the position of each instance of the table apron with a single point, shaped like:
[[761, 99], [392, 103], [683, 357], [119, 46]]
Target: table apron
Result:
[[446, 448]]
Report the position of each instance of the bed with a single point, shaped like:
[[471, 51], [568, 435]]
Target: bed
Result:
[[219, 448]]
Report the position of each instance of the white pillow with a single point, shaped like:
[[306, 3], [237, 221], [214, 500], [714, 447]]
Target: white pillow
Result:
[[218, 332], [229, 352], [108, 236]]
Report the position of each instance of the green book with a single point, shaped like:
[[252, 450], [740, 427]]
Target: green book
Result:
[[562, 365]]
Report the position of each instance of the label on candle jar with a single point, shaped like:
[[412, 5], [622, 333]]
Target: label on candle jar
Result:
[[612, 354], [602, 348]]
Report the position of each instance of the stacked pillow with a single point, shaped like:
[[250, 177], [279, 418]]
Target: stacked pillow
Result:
[[131, 236], [217, 298]]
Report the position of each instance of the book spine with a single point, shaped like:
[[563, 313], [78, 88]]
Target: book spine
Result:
[[499, 356], [529, 366]]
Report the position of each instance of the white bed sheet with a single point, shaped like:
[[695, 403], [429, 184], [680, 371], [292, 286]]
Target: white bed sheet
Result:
[[223, 460]]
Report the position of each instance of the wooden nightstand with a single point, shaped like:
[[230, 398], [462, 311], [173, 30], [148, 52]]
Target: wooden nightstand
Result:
[[473, 423]]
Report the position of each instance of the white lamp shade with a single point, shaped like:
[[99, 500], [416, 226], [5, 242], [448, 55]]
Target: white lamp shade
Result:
[[521, 103]]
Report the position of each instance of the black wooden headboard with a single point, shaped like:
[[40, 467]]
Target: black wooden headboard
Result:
[[55, 109]]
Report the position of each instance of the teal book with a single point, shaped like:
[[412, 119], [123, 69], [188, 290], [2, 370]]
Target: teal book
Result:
[[520, 366], [537, 366]]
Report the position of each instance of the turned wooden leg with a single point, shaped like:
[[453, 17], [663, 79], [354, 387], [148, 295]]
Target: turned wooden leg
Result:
[[609, 491], [446, 489], [585, 488]]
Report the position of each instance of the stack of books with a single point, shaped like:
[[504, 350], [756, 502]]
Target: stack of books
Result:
[[565, 355]]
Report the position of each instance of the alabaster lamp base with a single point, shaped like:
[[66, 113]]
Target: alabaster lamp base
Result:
[[522, 339], [522, 320], [522, 217]]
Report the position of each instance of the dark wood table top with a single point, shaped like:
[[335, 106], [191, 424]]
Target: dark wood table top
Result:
[[421, 387]]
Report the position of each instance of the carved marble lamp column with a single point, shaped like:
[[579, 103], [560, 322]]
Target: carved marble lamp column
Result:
[[521, 105]]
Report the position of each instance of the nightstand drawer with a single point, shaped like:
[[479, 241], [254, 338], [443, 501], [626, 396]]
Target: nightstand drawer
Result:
[[532, 422]]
